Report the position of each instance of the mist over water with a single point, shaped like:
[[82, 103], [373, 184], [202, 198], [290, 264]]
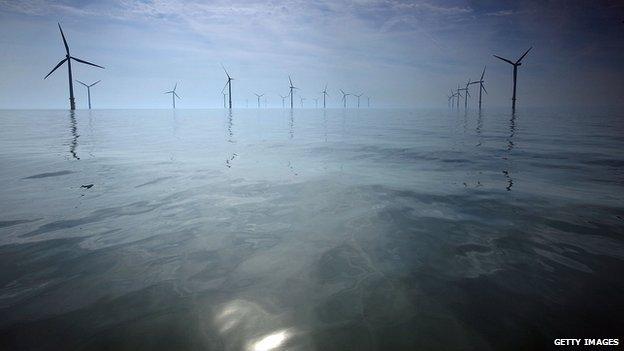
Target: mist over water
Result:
[[309, 229]]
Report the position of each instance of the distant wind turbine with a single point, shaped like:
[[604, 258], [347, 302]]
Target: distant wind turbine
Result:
[[481, 86], [259, 96], [368, 101], [358, 97], [229, 85], [458, 96], [88, 90], [302, 100], [173, 93], [292, 87], [68, 58], [325, 94], [466, 95], [316, 102], [283, 99], [344, 98], [515, 74]]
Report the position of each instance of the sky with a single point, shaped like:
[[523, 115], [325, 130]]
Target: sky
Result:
[[400, 53]]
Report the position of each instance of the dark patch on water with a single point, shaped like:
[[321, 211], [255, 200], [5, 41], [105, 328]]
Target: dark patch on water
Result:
[[136, 208], [4, 224], [50, 174]]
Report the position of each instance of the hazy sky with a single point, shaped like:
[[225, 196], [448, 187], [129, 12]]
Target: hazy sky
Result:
[[402, 54]]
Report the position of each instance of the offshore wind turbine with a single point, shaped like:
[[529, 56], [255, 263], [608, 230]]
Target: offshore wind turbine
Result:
[[229, 85], [68, 58], [325, 94], [259, 96], [344, 98], [173, 93], [302, 100], [467, 95], [458, 96], [88, 90], [292, 87], [283, 99], [316, 102], [358, 96], [481, 86], [515, 74], [368, 101]]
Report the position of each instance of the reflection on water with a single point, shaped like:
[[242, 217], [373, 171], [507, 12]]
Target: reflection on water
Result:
[[371, 230], [510, 146], [74, 131]]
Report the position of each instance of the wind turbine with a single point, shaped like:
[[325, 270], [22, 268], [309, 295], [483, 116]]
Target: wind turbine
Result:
[[358, 96], [259, 96], [229, 85], [467, 95], [88, 90], [283, 99], [450, 99], [368, 101], [324, 92], [316, 102], [68, 58], [292, 87], [173, 93], [302, 99], [458, 96], [515, 74], [344, 98], [481, 86]]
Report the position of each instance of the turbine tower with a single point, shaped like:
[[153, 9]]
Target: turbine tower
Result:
[[344, 98], [515, 74], [259, 96], [458, 96], [292, 87], [467, 95], [324, 92], [283, 99], [88, 90], [229, 85], [68, 58], [481, 86], [173, 93], [359, 96]]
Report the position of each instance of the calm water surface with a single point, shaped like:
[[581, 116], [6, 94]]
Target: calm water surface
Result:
[[312, 230]]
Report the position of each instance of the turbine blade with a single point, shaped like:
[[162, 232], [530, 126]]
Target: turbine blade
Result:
[[57, 66], [175, 86], [483, 73], [176, 95], [226, 72], [95, 83], [82, 83], [86, 62], [64, 41], [504, 59], [483, 86], [523, 55]]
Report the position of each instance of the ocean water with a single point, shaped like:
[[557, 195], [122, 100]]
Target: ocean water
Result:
[[351, 229]]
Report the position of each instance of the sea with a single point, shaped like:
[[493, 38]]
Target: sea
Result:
[[310, 229]]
